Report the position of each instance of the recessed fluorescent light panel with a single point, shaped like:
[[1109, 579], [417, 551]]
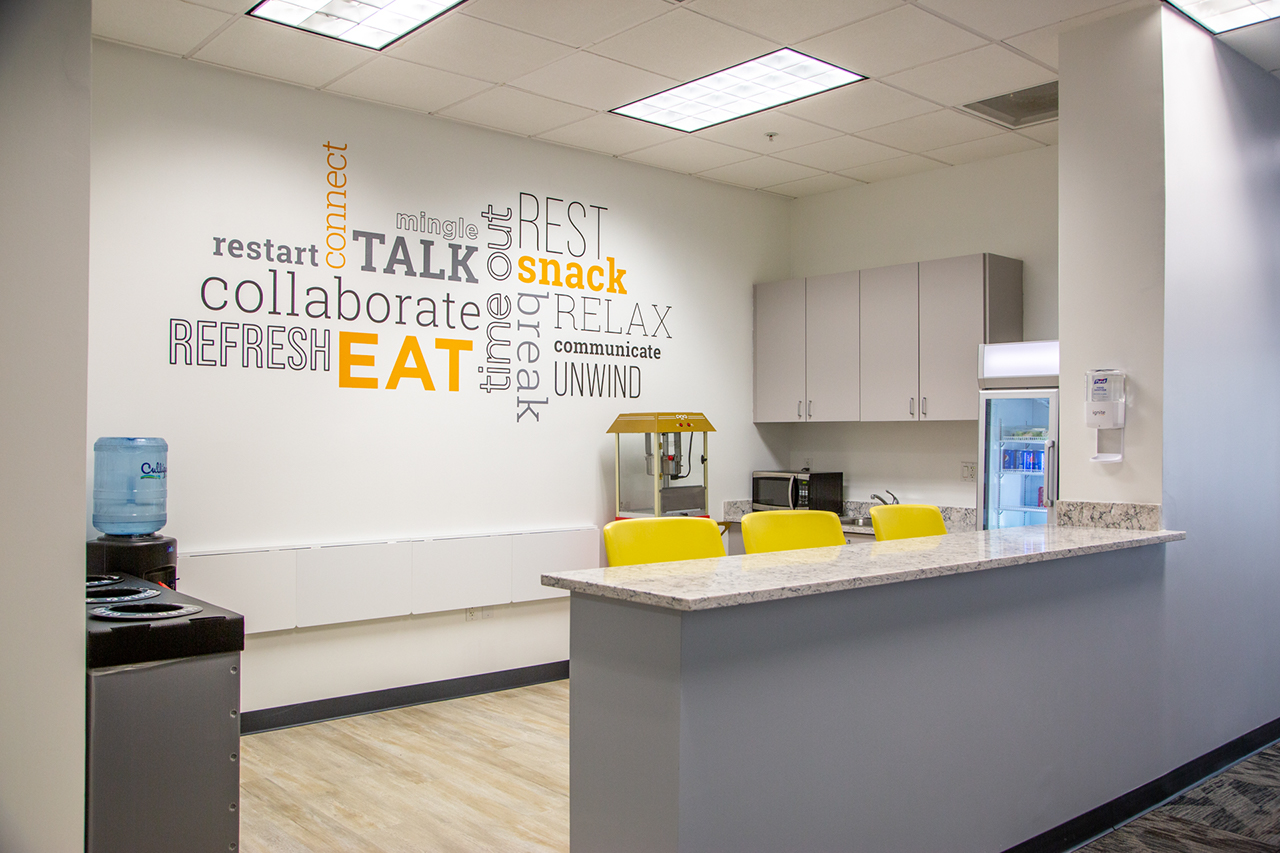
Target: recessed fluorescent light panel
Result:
[[368, 23], [778, 78], [1218, 16]]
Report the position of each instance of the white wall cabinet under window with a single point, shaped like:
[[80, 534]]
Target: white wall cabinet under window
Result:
[[896, 343], [806, 350]]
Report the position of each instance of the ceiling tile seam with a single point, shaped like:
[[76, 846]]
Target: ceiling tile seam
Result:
[[353, 69], [213, 35], [461, 10], [136, 46], [791, 45], [990, 39]]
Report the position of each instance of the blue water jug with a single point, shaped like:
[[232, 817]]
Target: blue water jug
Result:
[[129, 485]]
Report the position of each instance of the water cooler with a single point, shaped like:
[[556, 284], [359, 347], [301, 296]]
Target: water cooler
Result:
[[162, 767]]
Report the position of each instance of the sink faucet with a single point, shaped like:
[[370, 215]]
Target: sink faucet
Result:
[[883, 501]]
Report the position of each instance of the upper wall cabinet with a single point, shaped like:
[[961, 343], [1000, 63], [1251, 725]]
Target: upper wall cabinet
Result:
[[921, 326], [891, 343], [779, 351], [806, 350], [895, 343]]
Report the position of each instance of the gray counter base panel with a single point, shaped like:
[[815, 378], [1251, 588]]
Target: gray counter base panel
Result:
[[959, 713]]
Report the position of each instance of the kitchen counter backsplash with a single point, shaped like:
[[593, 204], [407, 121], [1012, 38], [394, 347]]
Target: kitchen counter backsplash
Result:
[[957, 518], [1115, 516]]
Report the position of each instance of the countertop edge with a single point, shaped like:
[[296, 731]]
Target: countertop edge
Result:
[[798, 590]]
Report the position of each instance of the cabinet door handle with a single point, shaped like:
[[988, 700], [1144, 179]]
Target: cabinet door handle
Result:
[[799, 404], [924, 407], [911, 406], [808, 413]]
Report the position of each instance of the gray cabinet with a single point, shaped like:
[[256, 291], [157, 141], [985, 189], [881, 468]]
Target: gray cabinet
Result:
[[896, 343], [890, 343], [921, 326], [806, 350], [779, 352]]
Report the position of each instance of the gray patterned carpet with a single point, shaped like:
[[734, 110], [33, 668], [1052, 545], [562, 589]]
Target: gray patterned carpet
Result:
[[1237, 810]]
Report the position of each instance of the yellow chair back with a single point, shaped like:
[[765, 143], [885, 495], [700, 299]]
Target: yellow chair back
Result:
[[789, 530], [661, 540], [907, 521]]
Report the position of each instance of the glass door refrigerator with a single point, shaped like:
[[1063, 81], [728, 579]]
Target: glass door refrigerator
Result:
[[1018, 430]]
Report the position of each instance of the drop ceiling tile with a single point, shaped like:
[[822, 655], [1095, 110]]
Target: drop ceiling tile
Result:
[[475, 48], [274, 50], [893, 41], [169, 26], [231, 7], [684, 46], [564, 21], [982, 149], [896, 168], [982, 73], [931, 130], [514, 111], [749, 132], [867, 103], [1259, 43], [592, 81], [406, 84], [1000, 19], [689, 154], [610, 134], [843, 152], [760, 172], [1046, 133], [813, 186], [1042, 44], [791, 21]]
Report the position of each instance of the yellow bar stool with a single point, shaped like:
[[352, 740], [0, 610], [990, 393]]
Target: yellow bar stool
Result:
[[661, 540], [907, 521], [789, 530]]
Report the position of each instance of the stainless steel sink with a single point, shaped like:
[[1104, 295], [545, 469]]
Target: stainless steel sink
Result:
[[860, 525]]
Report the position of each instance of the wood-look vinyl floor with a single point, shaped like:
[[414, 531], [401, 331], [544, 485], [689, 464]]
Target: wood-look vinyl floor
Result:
[[481, 773]]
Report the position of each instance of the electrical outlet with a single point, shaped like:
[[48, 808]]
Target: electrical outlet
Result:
[[969, 472], [472, 614], [808, 463], [486, 612]]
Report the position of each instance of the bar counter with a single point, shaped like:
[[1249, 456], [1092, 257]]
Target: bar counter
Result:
[[959, 693]]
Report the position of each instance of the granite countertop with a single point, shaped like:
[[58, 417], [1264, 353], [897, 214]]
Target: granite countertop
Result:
[[728, 581]]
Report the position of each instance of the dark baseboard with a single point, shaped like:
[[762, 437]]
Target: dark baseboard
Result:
[[287, 716], [1093, 823]]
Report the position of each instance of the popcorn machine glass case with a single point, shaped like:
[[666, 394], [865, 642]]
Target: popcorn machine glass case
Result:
[[660, 464]]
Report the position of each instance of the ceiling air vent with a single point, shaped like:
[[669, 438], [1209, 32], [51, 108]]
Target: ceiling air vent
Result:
[[1020, 109]]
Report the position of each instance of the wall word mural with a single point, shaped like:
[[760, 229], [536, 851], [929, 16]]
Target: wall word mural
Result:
[[525, 295]]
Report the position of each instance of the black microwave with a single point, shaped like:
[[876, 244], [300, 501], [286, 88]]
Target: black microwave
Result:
[[822, 490]]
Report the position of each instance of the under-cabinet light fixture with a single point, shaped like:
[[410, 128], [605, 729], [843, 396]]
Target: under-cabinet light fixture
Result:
[[750, 87], [1219, 16], [368, 23]]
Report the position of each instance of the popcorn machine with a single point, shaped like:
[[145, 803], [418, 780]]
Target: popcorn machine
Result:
[[658, 476]]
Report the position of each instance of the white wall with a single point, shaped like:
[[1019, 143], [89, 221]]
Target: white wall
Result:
[[184, 153], [1006, 205], [1111, 244], [44, 265], [1221, 375]]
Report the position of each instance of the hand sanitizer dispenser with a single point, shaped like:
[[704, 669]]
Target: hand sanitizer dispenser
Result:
[[1104, 411]]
